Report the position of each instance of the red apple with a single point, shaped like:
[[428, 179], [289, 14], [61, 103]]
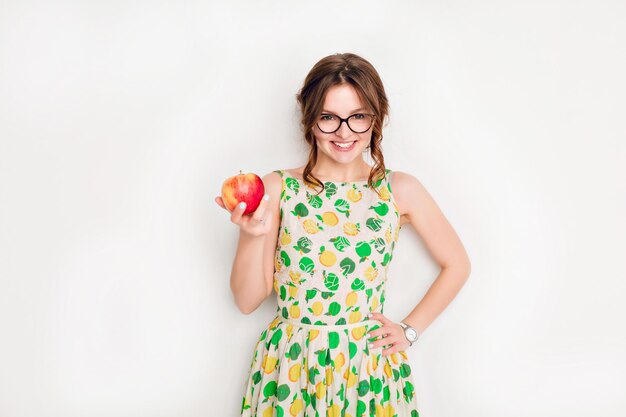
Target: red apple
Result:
[[243, 187]]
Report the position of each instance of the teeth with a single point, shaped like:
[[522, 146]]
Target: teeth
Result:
[[343, 145]]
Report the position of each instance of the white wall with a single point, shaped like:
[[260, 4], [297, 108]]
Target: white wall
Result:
[[119, 121]]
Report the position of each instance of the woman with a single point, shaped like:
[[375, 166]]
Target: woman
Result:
[[322, 239]]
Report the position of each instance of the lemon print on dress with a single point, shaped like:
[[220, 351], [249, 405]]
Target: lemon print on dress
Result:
[[354, 194], [358, 332], [320, 390], [296, 407], [351, 229], [294, 372], [354, 317], [317, 308], [327, 258], [295, 276], [351, 298], [388, 235], [330, 218], [334, 411], [285, 237], [294, 311], [384, 194], [269, 363], [371, 273], [310, 226]]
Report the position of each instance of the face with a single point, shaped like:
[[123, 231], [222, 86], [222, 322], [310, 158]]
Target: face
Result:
[[342, 100]]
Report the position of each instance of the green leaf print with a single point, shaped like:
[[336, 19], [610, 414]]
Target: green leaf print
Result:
[[279, 411], [305, 396], [333, 339], [315, 201], [352, 348], [360, 408], [405, 370], [386, 259], [300, 210], [386, 393], [379, 244], [294, 351], [283, 292], [292, 184], [307, 265], [321, 356], [374, 223], [282, 392], [357, 284], [312, 371], [276, 337], [270, 389], [363, 388], [376, 385], [347, 266], [333, 309], [285, 258], [304, 245], [342, 206], [381, 209], [331, 189], [310, 294], [363, 249], [340, 243], [331, 281], [326, 294], [408, 389], [256, 378]]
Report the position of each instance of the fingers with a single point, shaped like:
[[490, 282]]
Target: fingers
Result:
[[259, 213], [390, 336], [237, 213], [380, 317]]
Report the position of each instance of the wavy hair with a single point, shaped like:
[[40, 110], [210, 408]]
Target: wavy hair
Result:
[[338, 69]]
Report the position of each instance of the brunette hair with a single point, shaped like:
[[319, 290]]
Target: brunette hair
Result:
[[359, 73]]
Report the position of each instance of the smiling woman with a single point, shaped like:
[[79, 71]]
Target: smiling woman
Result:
[[334, 224]]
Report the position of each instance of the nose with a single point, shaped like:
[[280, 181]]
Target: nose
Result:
[[344, 131]]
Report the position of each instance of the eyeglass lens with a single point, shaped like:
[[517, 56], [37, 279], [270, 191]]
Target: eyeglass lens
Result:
[[358, 123]]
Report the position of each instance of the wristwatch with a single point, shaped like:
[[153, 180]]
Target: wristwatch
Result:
[[410, 333]]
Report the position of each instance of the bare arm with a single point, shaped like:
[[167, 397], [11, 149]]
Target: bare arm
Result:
[[419, 208], [252, 274]]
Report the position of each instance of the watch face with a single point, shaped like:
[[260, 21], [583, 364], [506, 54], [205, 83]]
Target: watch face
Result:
[[411, 334]]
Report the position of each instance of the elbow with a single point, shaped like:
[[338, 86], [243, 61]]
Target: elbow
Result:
[[467, 269], [245, 308]]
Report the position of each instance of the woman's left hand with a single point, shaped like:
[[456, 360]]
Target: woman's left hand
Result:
[[392, 334]]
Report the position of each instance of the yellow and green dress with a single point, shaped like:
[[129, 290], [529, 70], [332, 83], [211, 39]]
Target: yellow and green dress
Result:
[[333, 252]]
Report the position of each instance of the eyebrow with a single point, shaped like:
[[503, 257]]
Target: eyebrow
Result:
[[353, 111]]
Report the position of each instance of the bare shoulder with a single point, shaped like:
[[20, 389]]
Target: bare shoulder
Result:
[[272, 181], [408, 192]]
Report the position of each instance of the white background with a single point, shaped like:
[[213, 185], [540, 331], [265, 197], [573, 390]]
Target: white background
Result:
[[119, 121]]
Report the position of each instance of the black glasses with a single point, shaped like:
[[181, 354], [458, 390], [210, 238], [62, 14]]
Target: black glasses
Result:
[[358, 122]]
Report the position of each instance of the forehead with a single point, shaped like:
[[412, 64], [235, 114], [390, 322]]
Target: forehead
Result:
[[342, 98]]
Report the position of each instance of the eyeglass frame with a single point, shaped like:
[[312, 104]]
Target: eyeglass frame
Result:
[[341, 120]]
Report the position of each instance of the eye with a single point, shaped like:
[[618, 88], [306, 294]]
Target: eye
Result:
[[359, 116], [327, 117]]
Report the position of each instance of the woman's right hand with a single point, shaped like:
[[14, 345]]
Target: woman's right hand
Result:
[[255, 224]]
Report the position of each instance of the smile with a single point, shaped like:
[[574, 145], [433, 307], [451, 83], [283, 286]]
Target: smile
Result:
[[344, 146]]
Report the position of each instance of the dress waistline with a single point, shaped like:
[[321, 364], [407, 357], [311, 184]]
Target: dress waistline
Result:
[[330, 327]]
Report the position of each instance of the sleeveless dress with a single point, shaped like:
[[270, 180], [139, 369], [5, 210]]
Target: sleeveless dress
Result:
[[332, 256]]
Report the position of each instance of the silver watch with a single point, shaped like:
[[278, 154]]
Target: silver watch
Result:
[[410, 333]]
